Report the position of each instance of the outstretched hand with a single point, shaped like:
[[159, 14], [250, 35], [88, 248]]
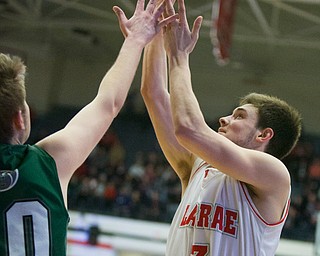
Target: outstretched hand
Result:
[[145, 23], [178, 37]]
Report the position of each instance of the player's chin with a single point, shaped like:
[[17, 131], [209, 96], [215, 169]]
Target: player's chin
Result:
[[222, 133]]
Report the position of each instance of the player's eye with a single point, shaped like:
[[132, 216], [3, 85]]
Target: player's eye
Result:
[[238, 116]]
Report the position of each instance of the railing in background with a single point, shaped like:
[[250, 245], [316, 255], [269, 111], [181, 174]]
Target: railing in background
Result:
[[93, 234]]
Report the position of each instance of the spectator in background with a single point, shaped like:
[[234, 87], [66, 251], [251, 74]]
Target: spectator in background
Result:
[[314, 170], [136, 170]]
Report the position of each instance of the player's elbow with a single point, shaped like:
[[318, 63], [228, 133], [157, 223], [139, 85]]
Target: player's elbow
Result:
[[112, 107], [144, 91], [117, 106], [188, 131], [149, 90], [182, 133]]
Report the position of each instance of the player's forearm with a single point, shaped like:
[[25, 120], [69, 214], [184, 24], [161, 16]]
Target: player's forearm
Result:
[[117, 81], [154, 80], [185, 107], [157, 99], [154, 89], [154, 69]]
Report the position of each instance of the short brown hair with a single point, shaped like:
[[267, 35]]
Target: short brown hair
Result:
[[12, 92], [277, 114]]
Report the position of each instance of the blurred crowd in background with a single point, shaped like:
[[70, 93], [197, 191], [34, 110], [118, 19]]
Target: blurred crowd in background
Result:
[[127, 175]]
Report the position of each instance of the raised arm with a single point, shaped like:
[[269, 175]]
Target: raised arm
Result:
[[70, 146], [157, 99]]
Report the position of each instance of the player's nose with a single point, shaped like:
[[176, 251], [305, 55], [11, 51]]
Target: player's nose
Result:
[[223, 121]]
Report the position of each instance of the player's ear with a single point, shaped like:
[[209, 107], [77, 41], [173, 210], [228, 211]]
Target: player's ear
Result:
[[18, 121], [265, 135]]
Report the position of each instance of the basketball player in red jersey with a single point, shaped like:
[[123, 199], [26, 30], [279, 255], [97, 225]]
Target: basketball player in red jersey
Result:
[[235, 189]]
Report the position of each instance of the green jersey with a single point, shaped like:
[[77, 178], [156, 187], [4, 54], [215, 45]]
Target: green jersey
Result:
[[34, 218]]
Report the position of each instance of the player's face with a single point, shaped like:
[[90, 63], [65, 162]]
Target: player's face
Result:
[[240, 126]]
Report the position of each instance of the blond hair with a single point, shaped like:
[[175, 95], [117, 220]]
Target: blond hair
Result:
[[12, 92]]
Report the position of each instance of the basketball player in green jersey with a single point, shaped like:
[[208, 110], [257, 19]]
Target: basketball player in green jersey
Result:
[[34, 178]]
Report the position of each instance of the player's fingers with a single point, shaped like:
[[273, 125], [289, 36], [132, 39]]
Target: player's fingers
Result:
[[170, 12], [121, 18], [182, 14], [120, 14], [168, 20], [151, 6], [169, 7], [196, 27], [140, 5]]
